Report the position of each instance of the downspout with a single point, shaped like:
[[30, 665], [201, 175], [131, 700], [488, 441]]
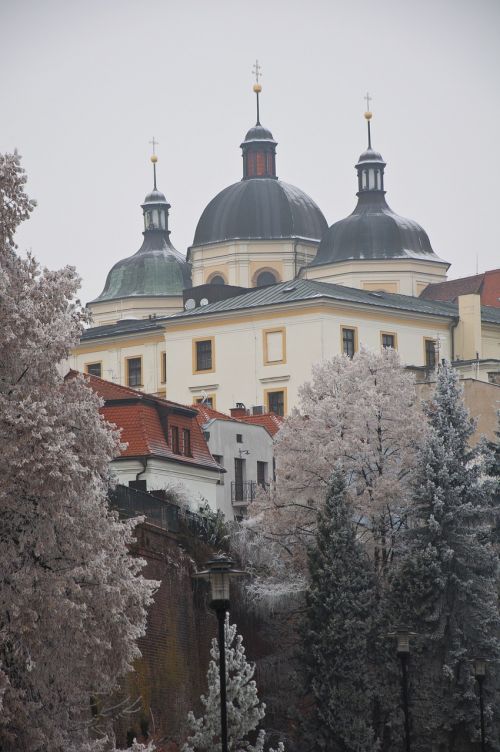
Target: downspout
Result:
[[454, 323], [144, 462]]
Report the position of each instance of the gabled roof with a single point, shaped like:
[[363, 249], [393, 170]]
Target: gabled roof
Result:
[[486, 284], [270, 421], [206, 413], [142, 419]]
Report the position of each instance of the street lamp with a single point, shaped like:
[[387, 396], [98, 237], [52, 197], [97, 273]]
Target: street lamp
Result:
[[403, 634], [219, 573], [480, 673]]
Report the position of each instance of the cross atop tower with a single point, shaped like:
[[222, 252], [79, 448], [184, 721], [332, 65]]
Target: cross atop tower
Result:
[[368, 99], [155, 144], [256, 70], [368, 117]]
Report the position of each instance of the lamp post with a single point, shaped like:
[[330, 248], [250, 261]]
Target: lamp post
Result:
[[403, 634], [480, 673], [219, 573]]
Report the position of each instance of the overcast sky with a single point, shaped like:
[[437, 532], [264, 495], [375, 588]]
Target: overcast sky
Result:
[[85, 85]]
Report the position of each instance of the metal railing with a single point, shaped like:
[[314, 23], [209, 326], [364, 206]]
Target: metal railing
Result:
[[133, 503], [243, 492]]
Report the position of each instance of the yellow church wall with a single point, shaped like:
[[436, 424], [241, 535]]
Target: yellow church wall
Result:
[[404, 276], [111, 311], [241, 373]]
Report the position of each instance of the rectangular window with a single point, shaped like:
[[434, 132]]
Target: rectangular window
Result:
[[262, 473], [175, 440], [430, 353], [203, 355], [274, 346], [218, 458], [94, 369], [239, 438], [163, 367], [276, 402], [186, 441], [208, 401], [134, 371], [239, 475], [388, 340], [348, 341]]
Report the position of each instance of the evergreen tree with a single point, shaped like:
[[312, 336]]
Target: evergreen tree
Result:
[[338, 634], [446, 586], [244, 711]]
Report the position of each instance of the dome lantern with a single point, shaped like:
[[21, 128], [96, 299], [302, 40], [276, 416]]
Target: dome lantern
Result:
[[259, 146]]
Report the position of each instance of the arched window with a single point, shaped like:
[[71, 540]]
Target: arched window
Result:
[[217, 280], [265, 278]]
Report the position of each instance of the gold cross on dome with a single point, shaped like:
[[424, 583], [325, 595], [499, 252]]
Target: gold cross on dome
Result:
[[155, 143], [257, 71], [368, 99]]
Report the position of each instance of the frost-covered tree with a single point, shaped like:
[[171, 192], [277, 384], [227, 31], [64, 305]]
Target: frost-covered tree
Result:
[[363, 415], [342, 652], [72, 601], [244, 711], [446, 586]]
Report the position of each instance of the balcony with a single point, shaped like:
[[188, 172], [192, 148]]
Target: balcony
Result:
[[243, 492]]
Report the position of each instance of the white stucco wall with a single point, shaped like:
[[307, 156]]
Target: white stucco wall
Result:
[[255, 440], [200, 484]]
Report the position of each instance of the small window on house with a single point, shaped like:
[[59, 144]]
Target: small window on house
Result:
[[204, 355], [186, 442], [94, 369], [218, 458], [389, 340], [274, 346], [348, 341], [134, 372], [175, 440], [163, 367], [276, 402], [430, 353], [239, 438], [207, 401]]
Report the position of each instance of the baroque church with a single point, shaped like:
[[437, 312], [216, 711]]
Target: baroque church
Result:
[[267, 289]]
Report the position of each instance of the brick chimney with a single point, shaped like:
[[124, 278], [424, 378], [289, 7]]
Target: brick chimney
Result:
[[239, 411]]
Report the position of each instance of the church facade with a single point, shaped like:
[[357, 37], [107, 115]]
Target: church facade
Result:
[[279, 290]]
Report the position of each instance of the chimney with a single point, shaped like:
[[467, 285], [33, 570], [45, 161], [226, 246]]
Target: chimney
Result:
[[239, 411]]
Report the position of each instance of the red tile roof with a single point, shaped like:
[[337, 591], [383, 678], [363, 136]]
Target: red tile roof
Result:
[[270, 421], [142, 419], [206, 413], [487, 285]]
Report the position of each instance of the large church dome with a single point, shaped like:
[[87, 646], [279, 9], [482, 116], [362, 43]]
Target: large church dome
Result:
[[260, 206], [373, 231], [157, 269]]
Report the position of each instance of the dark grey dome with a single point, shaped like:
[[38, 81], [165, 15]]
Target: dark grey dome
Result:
[[259, 133], [370, 155], [260, 208], [374, 231], [155, 197]]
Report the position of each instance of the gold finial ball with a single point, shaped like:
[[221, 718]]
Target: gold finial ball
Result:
[[368, 115], [257, 88], [154, 159]]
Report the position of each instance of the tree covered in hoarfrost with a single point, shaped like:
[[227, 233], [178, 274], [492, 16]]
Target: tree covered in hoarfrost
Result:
[[244, 711], [359, 414], [446, 586], [72, 601]]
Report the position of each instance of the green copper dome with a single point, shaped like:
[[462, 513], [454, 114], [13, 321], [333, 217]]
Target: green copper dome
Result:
[[157, 269]]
